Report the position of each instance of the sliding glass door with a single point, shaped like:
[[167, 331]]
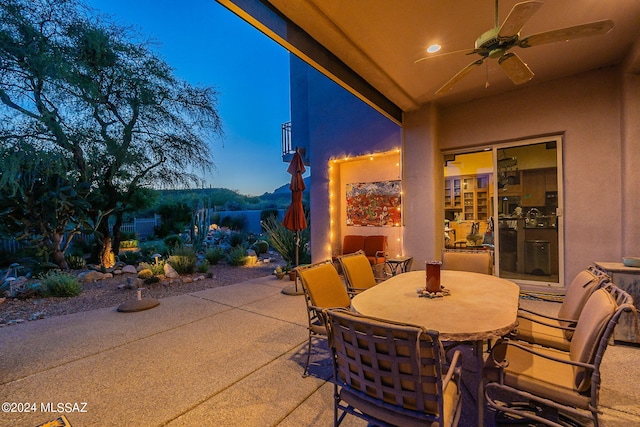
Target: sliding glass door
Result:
[[507, 199]]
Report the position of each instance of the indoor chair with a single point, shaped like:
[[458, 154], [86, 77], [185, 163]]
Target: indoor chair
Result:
[[352, 243], [358, 273], [556, 331], [322, 288], [375, 249], [391, 373], [549, 384], [473, 261]]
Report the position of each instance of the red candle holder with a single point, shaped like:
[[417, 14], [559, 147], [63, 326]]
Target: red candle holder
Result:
[[433, 276]]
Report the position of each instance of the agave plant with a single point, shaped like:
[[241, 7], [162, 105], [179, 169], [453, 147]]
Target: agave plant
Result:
[[283, 241]]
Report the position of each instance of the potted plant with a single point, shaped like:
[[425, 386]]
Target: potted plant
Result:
[[287, 269], [279, 272]]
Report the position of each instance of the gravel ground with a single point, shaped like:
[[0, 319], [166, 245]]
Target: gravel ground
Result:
[[109, 293]]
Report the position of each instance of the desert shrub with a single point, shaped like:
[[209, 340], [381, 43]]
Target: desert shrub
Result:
[[238, 222], [215, 218], [156, 267], [130, 257], [214, 255], [60, 284], [283, 241], [261, 247], [269, 212], [172, 241], [145, 273], [80, 246], [33, 289], [153, 247], [183, 260], [75, 262], [236, 239], [202, 266], [250, 239], [237, 256], [225, 221], [183, 264], [235, 222]]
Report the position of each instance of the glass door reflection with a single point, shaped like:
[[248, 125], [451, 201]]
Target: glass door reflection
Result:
[[506, 199]]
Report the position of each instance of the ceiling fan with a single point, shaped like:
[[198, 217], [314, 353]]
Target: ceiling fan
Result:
[[497, 42]]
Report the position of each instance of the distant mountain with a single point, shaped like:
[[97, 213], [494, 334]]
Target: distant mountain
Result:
[[285, 188], [230, 199]]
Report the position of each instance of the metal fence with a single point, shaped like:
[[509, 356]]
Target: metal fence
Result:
[[142, 227]]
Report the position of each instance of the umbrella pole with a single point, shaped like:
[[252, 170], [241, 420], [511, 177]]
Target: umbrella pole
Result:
[[297, 256], [297, 248]]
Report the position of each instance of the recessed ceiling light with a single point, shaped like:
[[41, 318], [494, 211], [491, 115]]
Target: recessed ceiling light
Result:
[[434, 48]]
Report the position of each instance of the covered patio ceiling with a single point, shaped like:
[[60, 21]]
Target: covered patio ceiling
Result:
[[370, 47]]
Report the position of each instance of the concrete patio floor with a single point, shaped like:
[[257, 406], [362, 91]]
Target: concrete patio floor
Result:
[[229, 356]]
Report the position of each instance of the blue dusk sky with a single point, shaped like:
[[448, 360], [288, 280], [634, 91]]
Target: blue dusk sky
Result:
[[208, 45]]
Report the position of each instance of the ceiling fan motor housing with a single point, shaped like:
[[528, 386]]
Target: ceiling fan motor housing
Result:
[[492, 45]]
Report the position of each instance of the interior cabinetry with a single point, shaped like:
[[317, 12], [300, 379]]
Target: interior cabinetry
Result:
[[510, 184], [452, 196], [535, 184], [551, 179], [469, 195], [482, 205], [469, 205]]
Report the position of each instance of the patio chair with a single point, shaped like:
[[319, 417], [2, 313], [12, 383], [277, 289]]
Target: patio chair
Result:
[[474, 261], [556, 331], [391, 373], [551, 385], [323, 289], [358, 273]]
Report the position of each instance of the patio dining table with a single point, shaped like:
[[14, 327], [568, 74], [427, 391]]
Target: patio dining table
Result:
[[479, 307]]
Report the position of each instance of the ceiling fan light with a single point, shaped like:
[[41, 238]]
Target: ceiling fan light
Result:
[[434, 48]]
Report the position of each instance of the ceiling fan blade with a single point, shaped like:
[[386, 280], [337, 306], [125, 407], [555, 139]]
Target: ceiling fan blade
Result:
[[517, 70], [518, 17], [564, 34], [455, 79], [467, 52]]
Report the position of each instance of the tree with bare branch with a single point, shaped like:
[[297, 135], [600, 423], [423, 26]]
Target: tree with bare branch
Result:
[[74, 83]]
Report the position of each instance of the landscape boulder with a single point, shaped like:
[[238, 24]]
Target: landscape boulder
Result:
[[170, 272], [130, 269], [91, 276]]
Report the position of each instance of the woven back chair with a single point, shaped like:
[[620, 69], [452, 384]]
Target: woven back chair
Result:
[[390, 373], [557, 331], [358, 274], [474, 261], [554, 382], [323, 288]]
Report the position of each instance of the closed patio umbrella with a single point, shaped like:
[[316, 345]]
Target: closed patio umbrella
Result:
[[294, 218]]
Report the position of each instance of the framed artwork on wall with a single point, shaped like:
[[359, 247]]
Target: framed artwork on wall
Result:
[[374, 204]]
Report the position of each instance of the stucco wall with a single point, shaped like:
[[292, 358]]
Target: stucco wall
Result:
[[423, 187], [630, 228], [335, 125]]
